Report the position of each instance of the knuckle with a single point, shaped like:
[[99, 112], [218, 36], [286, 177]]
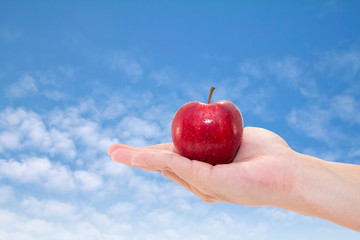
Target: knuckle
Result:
[[203, 195], [207, 199]]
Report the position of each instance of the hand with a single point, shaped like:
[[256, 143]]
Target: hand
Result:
[[261, 174]]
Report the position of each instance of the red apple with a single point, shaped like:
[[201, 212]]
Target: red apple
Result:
[[207, 132]]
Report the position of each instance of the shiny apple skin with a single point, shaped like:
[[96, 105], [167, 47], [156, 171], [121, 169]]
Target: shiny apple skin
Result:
[[210, 133]]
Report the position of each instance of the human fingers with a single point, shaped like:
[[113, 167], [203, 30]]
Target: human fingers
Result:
[[161, 146], [117, 146], [149, 157], [194, 172], [202, 195], [127, 153]]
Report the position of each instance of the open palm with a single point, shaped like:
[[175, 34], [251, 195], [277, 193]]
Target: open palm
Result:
[[261, 173]]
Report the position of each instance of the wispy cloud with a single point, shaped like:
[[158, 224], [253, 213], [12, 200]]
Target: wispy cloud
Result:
[[318, 119], [25, 86], [347, 108], [41, 84], [129, 65], [166, 75], [251, 68], [54, 94], [289, 71], [332, 155], [322, 120], [314, 122], [342, 64]]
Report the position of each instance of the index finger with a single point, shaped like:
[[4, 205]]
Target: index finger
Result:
[[194, 172], [161, 146]]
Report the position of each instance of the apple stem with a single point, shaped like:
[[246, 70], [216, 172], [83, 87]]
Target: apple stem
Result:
[[211, 92]]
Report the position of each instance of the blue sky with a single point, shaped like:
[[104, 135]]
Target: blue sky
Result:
[[76, 77]]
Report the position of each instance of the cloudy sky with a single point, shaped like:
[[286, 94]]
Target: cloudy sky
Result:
[[76, 77]]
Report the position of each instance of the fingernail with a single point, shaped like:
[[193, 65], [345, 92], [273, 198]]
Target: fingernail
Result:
[[123, 156], [117, 146]]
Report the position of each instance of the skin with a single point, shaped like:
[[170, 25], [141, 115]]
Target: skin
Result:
[[265, 172]]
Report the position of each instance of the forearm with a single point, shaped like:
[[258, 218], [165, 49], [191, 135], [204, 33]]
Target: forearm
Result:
[[327, 190]]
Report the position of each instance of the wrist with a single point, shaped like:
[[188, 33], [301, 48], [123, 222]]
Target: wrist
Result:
[[305, 195], [321, 190]]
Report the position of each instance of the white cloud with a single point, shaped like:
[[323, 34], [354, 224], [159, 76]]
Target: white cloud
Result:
[[257, 101], [251, 68], [295, 74], [128, 65], [51, 176], [21, 129], [122, 209], [58, 178], [106, 167], [37, 170], [30, 170], [331, 156], [67, 71], [7, 194], [77, 133], [25, 86], [9, 140], [62, 144], [57, 133], [28, 125], [81, 130], [113, 110], [54, 94], [287, 69], [88, 181], [11, 118], [42, 83], [20, 227], [345, 62], [347, 108], [250, 99], [314, 122], [166, 75], [49, 208], [277, 214], [137, 128], [259, 229], [34, 131], [317, 119], [164, 217]]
